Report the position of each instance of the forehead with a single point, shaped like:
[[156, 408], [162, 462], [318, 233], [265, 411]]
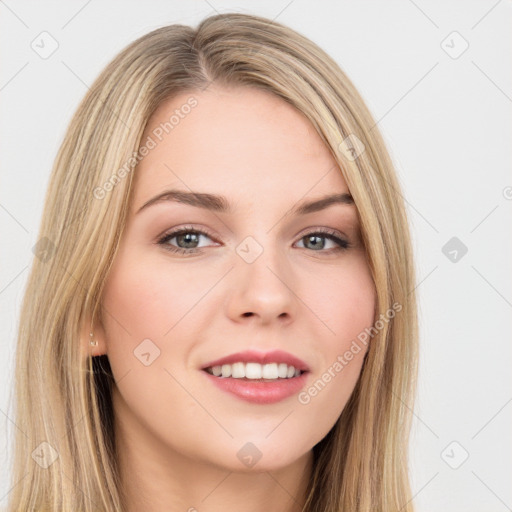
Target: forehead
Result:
[[239, 142]]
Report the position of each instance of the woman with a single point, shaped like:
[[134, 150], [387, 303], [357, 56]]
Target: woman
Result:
[[222, 313]]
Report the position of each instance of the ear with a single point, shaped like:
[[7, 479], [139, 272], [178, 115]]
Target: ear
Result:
[[98, 336]]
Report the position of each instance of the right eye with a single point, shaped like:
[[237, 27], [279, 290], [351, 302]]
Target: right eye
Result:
[[187, 236]]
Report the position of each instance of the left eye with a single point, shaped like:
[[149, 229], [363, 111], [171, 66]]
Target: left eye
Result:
[[317, 240], [187, 236], [188, 240]]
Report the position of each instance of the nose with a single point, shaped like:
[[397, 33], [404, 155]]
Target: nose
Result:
[[262, 290]]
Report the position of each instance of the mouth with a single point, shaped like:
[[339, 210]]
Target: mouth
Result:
[[256, 383], [258, 377]]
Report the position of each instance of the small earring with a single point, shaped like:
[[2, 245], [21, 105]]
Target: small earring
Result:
[[91, 341]]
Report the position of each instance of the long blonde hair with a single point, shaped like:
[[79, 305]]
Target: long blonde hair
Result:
[[63, 396]]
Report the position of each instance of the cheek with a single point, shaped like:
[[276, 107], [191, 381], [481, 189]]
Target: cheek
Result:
[[346, 302], [142, 303], [346, 307], [148, 299], [145, 300]]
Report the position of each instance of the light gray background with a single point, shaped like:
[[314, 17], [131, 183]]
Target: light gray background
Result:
[[447, 123]]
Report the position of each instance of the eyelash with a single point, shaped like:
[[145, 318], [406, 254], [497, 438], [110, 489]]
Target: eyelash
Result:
[[327, 233]]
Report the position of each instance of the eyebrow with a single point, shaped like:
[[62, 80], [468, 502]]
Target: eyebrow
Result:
[[219, 203]]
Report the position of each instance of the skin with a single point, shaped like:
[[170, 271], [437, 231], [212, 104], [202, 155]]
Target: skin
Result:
[[177, 434]]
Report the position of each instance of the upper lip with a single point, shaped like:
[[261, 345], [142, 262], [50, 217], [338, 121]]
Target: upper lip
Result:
[[253, 356]]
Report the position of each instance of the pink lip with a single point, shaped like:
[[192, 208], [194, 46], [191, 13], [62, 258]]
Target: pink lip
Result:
[[252, 356], [260, 391]]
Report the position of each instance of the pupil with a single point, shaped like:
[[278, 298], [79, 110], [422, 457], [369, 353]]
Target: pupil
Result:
[[187, 237], [317, 243]]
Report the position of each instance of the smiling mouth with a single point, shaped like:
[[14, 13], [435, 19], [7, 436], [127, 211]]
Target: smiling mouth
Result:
[[256, 383]]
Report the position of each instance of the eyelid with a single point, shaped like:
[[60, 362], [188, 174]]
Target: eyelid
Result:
[[185, 229], [324, 230]]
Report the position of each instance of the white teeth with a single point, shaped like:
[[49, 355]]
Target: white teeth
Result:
[[282, 370], [253, 371], [238, 370], [271, 371]]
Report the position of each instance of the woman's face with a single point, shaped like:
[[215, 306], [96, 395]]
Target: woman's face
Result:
[[248, 272]]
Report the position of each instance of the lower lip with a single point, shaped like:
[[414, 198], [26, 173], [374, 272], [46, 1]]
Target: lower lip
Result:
[[259, 392]]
